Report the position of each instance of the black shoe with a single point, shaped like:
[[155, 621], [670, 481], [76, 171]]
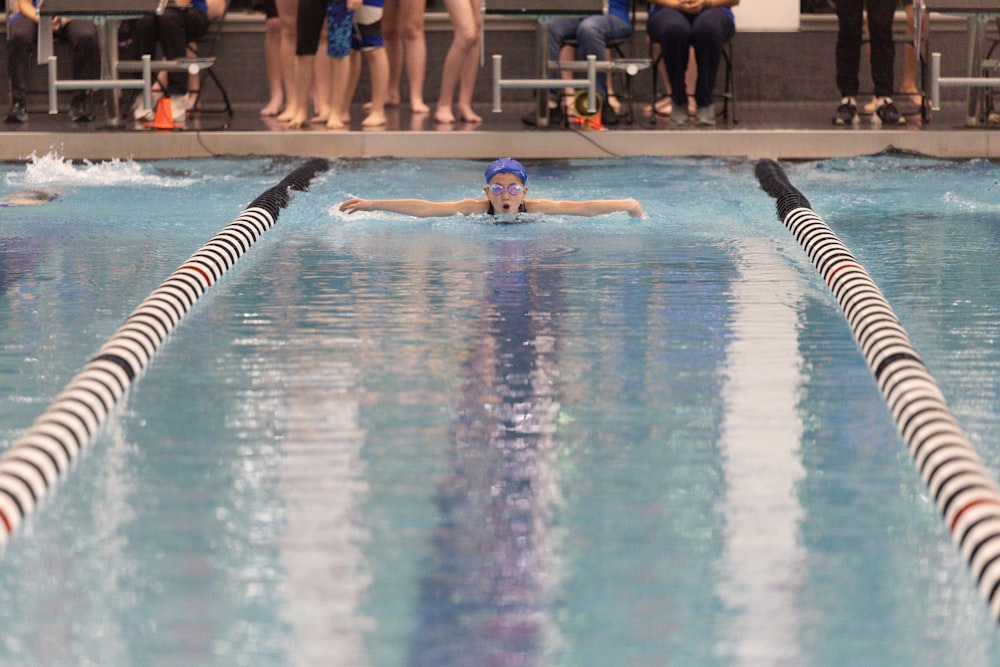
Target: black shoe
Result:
[[847, 113], [608, 116], [81, 109], [18, 112], [888, 114], [555, 117]]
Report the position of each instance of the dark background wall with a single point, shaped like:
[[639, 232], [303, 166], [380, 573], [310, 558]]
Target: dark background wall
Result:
[[772, 66]]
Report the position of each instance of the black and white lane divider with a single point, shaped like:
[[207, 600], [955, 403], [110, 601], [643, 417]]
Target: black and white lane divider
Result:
[[47, 448], [951, 469]]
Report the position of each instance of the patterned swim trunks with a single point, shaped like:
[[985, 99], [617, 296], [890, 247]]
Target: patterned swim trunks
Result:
[[359, 30]]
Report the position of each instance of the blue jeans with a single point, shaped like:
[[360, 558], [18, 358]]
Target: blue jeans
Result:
[[592, 34], [676, 32]]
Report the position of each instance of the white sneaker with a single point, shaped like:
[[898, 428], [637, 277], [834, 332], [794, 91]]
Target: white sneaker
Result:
[[706, 115], [679, 116], [141, 113], [178, 107]]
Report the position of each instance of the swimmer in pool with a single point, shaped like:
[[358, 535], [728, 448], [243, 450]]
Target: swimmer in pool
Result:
[[27, 198], [506, 193]]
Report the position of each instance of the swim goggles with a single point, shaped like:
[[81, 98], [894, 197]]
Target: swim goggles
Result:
[[514, 189]]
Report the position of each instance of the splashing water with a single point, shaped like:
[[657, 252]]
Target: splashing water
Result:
[[52, 169]]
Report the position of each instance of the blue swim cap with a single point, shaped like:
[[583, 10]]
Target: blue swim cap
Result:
[[507, 165]]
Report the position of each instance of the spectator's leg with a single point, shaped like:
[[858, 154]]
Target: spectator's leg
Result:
[[560, 29], [671, 29], [593, 34], [883, 50], [21, 36], [712, 28], [848, 53], [272, 62], [82, 37], [287, 19]]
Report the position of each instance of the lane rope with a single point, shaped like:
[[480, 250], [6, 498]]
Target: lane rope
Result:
[[950, 467], [33, 464]]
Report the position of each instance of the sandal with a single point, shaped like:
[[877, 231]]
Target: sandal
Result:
[[663, 107]]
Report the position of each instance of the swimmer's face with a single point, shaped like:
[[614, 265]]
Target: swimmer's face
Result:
[[505, 202]]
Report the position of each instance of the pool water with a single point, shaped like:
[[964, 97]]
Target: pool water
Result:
[[387, 441]]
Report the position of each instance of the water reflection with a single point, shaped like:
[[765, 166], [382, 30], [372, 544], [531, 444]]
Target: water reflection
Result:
[[18, 258], [484, 599], [322, 479], [764, 561]]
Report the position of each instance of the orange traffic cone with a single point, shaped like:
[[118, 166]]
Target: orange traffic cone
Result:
[[164, 119]]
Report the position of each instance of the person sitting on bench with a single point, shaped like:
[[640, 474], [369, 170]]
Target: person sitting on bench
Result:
[[182, 21], [22, 40]]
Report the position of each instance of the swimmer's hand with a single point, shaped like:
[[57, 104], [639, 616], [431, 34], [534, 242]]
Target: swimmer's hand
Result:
[[356, 204], [634, 208]]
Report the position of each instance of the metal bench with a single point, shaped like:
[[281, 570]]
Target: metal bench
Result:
[[106, 14], [978, 79]]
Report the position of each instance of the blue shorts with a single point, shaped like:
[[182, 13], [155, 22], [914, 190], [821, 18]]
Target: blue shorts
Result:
[[360, 30]]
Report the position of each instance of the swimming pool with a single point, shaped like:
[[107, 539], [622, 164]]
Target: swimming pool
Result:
[[389, 441]]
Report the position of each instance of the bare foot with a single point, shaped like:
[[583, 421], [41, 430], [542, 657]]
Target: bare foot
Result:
[[444, 116], [321, 115], [418, 106], [468, 115], [334, 123], [298, 121], [367, 106], [374, 119], [273, 108], [288, 114]]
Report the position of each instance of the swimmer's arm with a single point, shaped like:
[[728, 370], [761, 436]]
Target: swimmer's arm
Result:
[[589, 207], [420, 208]]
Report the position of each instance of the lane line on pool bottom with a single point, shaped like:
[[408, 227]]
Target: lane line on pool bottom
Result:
[[47, 448], [950, 467]]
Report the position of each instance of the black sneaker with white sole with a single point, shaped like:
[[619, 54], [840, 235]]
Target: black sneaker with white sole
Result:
[[18, 112], [81, 108], [886, 113], [847, 113]]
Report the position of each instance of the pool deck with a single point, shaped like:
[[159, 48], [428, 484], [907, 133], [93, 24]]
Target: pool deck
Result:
[[777, 130]]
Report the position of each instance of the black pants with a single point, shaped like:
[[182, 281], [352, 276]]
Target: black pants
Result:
[[22, 37], [883, 53], [172, 31]]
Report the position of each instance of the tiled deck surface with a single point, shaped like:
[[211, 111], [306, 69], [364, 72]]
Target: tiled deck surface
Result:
[[787, 130]]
